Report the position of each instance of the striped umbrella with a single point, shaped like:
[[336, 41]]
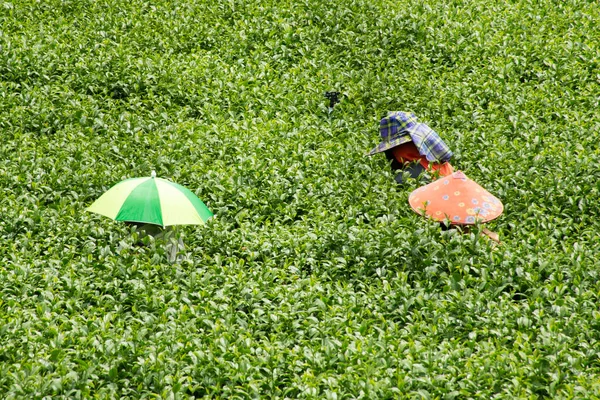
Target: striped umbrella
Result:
[[153, 201]]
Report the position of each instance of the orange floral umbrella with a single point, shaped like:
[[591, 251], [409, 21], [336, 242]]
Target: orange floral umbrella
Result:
[[457, 199]]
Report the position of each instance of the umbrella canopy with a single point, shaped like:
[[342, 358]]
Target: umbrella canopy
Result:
[[457, 199], [153, 201]]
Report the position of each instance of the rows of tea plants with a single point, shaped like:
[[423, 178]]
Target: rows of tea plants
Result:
[[315, 279]]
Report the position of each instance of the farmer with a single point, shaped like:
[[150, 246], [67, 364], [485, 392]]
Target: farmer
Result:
[[412, 146], [172, 245]]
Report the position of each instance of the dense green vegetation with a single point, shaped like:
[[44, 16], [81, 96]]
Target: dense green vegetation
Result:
[[315, 279]]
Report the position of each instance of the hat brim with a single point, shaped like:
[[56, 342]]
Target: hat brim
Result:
[[383, 146]]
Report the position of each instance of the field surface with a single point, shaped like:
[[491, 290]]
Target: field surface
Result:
[[315, 280]]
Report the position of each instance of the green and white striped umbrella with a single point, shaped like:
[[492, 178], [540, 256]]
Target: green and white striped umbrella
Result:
[[152, 201]]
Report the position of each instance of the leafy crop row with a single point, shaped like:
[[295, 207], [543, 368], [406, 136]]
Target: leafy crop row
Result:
[[315, 279]]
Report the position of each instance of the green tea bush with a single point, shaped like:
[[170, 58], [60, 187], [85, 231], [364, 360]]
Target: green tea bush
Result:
[[315, 279]]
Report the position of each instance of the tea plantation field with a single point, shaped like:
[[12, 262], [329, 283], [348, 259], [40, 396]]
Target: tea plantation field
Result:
[[315, 280]]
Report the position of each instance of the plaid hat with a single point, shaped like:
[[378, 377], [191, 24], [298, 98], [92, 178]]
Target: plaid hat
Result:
[[400, 127]]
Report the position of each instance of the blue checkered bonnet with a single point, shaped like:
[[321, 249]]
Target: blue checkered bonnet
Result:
[[393, 131], [400, 127]]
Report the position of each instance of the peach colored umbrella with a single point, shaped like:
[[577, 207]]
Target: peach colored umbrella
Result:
[[457, 199]]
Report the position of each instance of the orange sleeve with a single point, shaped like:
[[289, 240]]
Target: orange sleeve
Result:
[[444, 169]]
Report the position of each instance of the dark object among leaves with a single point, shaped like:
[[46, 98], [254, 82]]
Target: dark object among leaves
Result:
[[334, 98]]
